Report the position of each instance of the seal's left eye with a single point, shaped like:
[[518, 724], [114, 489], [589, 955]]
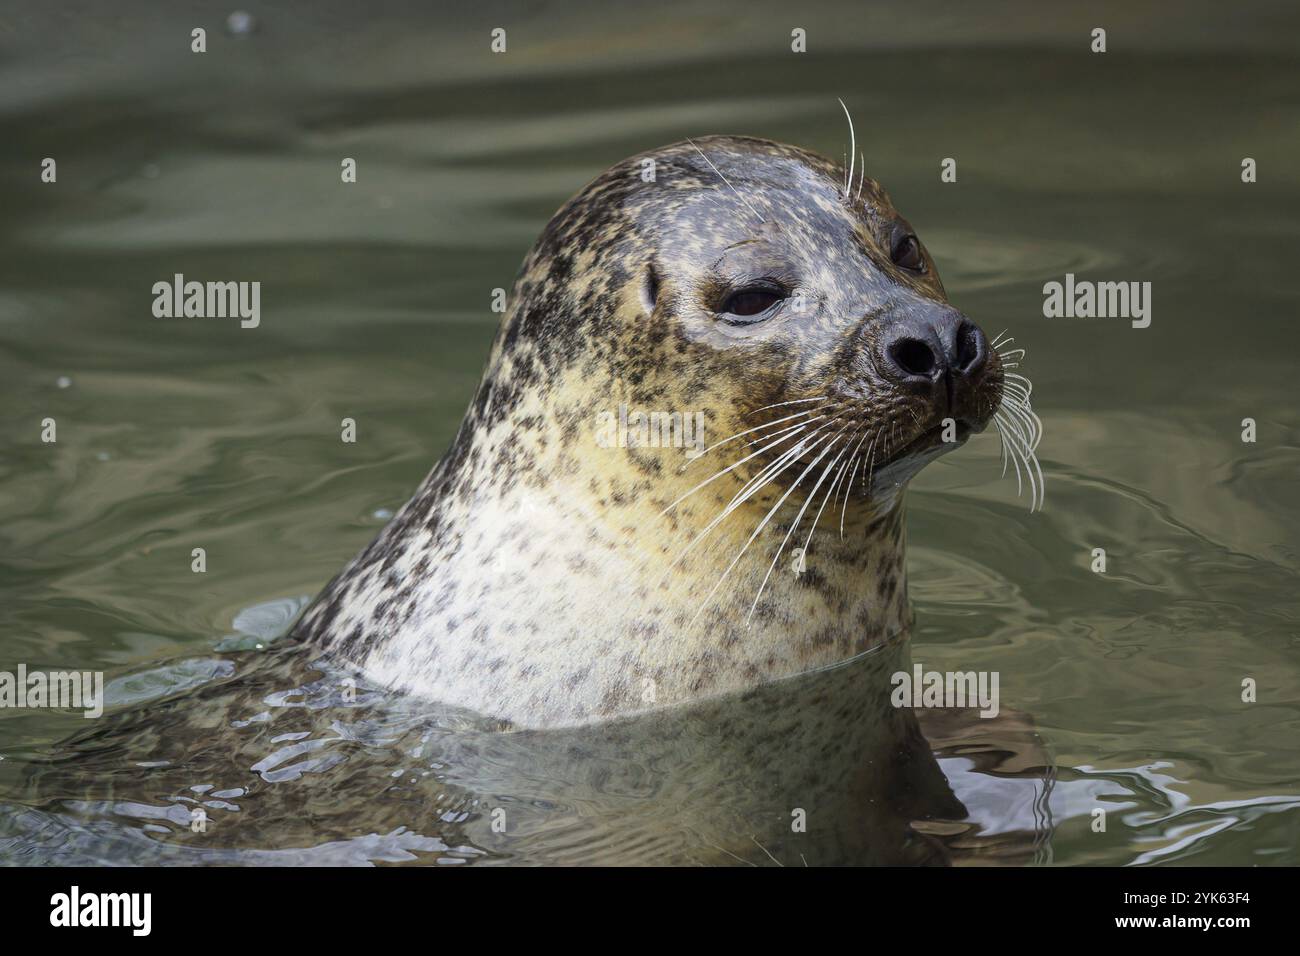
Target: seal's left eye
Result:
[[907, 253], [751, 302]]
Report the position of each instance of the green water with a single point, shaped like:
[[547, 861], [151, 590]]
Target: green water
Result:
[[1120, 690]]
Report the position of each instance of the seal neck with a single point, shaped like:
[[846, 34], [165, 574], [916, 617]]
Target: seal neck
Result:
[[638, 595]]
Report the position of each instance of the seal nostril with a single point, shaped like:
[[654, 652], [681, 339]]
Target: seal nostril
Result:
[[913, 356], [970, 347]]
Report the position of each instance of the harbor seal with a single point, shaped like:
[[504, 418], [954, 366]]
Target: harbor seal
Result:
[[548, 576]]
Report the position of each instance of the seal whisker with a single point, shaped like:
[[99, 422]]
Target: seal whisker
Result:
[[1018, 384], [1016, 457], [868, 456], [1026, 384], [797, 425], [832, 490], [1015, 392], [763, 524], [1019, 409], [769, 471], [1014, 404], [1020, 399], [853, 148], [1015, 389], [1015, 400], [795, 401], [756, 428], [798, 518], [734, 466], [871, 463], [1021, 444], [840, 488], [1017, 425], [1033, 423], [1002, 441], [848, 487], [765, 850], [725, 180], [1038, 425], [787, 458], [732, 855], [1015, 461], [1032, 468]]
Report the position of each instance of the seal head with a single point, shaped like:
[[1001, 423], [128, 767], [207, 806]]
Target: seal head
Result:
[[568, 559]]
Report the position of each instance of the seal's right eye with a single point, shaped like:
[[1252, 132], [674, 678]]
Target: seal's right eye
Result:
[[748, 303]]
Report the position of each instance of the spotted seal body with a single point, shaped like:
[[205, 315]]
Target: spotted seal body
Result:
[[543, 576]]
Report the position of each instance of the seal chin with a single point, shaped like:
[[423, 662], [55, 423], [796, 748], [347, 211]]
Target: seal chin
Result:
[[931, 443], [907, 458], [902, 466]]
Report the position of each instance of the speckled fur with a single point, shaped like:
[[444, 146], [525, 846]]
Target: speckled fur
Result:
[[532, 575]]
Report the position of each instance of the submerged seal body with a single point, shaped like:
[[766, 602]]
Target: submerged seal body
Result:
[[546, 575]]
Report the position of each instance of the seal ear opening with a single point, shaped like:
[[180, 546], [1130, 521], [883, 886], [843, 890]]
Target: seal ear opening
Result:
[[650, 288]]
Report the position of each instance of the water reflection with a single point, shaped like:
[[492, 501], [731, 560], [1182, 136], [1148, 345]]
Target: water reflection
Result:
[[289, 763]]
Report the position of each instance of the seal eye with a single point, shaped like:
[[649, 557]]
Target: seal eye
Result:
[[907, 253], [751, 302]]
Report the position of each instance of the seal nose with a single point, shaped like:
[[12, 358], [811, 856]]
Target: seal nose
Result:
[[926, 350]]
